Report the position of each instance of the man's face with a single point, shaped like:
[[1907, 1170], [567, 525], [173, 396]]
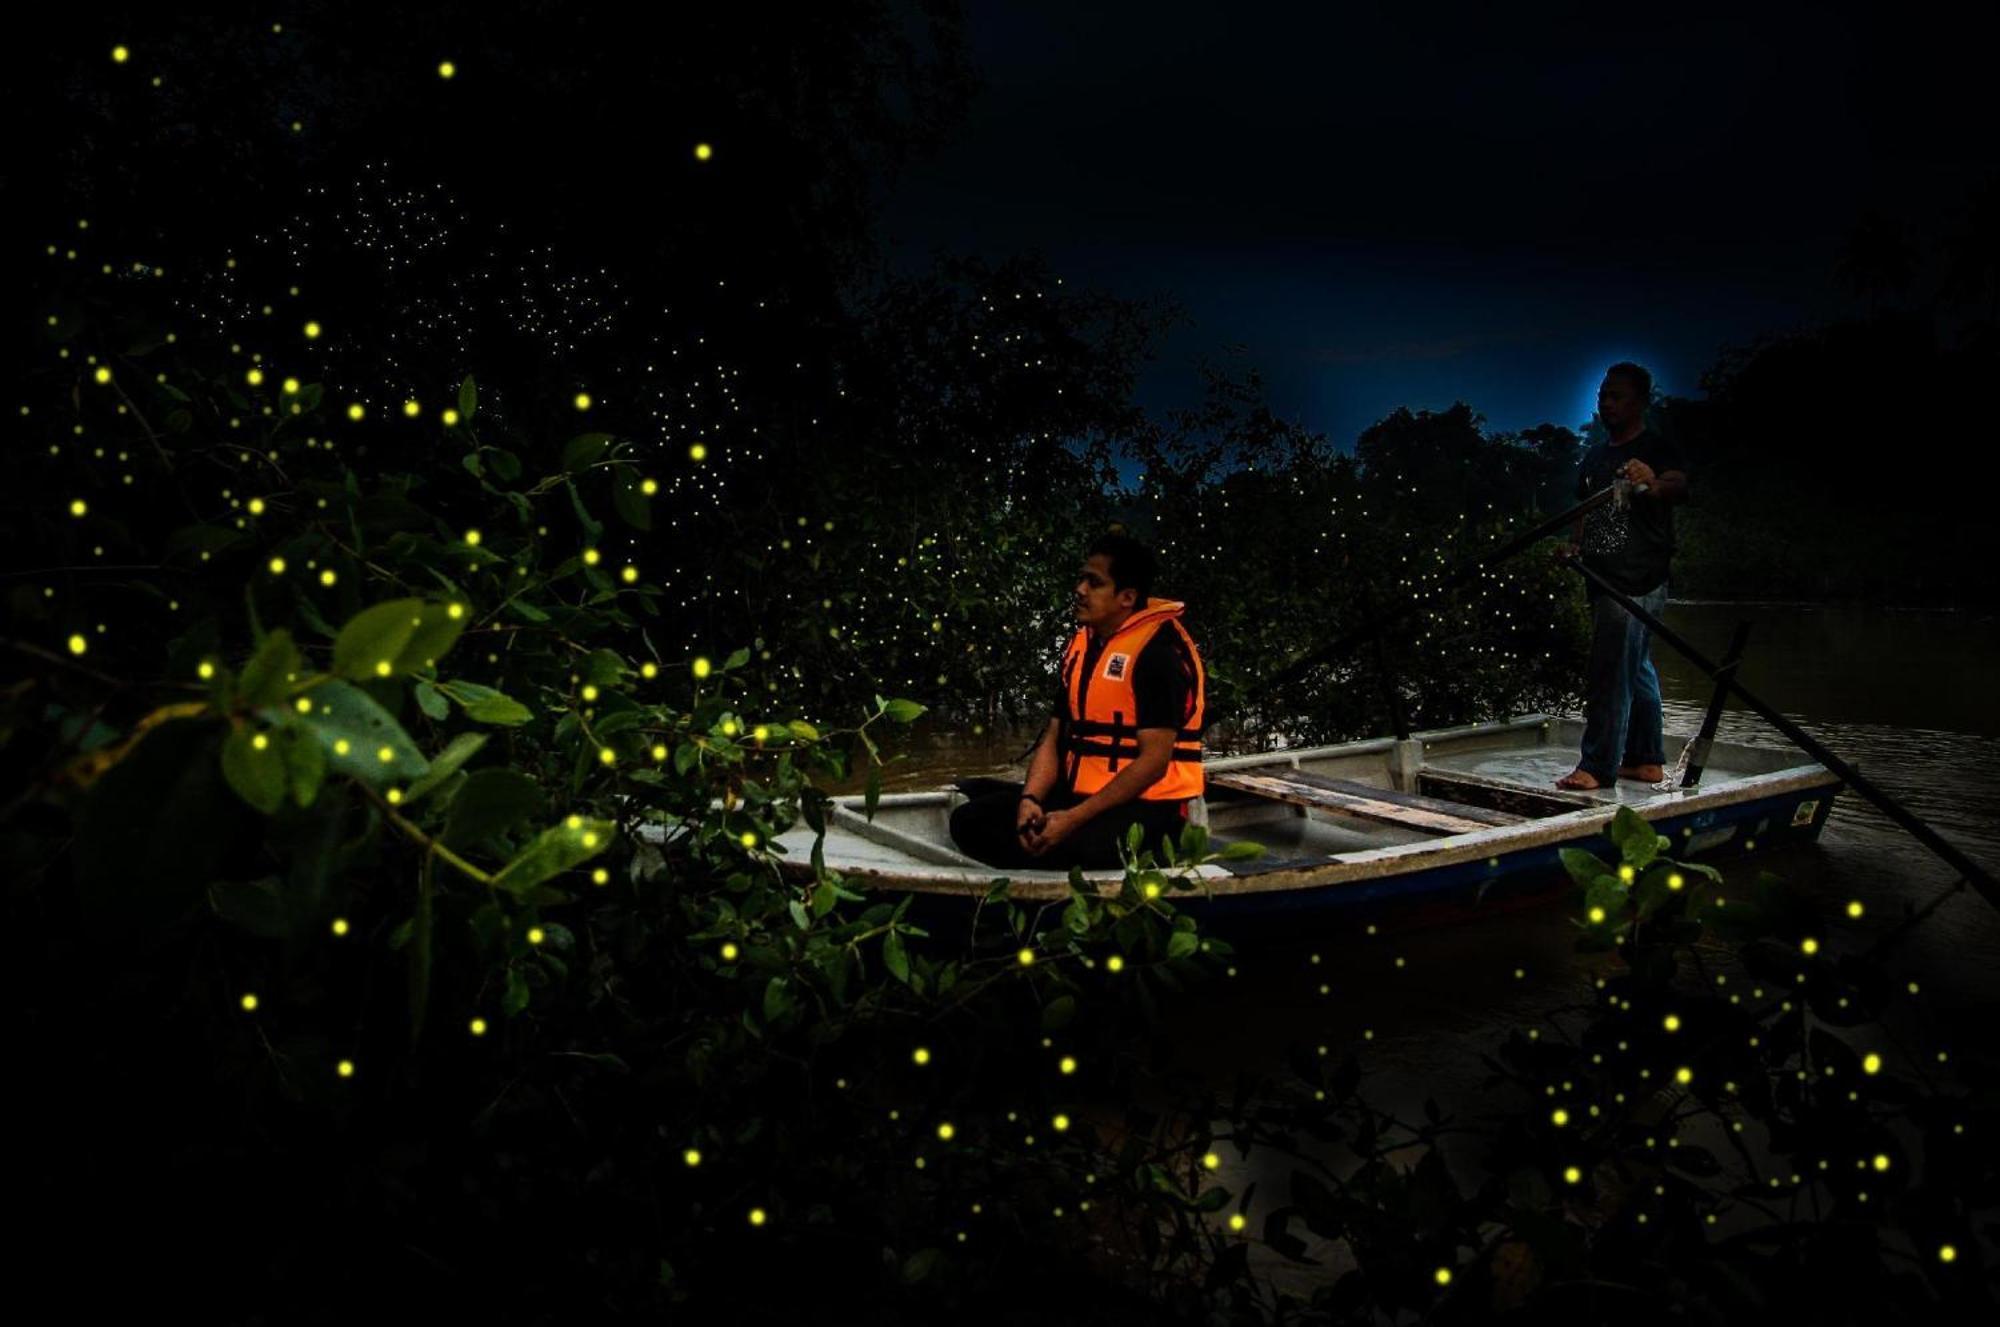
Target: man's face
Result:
[[1618, 406], [1097, 603]]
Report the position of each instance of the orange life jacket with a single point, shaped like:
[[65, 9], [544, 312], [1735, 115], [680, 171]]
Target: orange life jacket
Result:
[[1100, 734]]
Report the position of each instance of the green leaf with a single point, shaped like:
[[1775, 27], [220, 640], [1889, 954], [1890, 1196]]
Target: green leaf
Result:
[[737, 658], [437, 631], [462, 748], [354, 731], [430, 701], [1242, 851], [255, 905], [1058, 1013], [490, 802], [256, 773], [373, 639], [903, 711], [895, 957], [269, 673], [1634, 838], [605, 668], [305, 761], [468, 400], [630, 500], [516, 998], [1605, 892], [554, 851], [920, 1265], [873, 796], [1182, 943], [485, 705], [584, 451], [802, 730], [1583, 867]]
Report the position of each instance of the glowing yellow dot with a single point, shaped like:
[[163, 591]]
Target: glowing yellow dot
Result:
[[411, 409], [1060, 1123], [1625, 873], [450, 417], [454, 611], [249, 1004], [291, 386], [536, 935], [1675, 881], [574, 822], [692, 1156], [1236, 1221], [1210, 1161], [394, 796], [340, 926], [649, 669], [729, 951], [260, 741], [77, 644], [345, 1069], [1808, 946], [729, 727], [1559, 1117], [472, 538], [103, 375], [1025, 958], [606, 756], [78, 507], [447, 69], [701, 668], [659, 752], [698, 452], [1683, 1075], [312, 331], [757, 1217], [1881, 1161], [629, 575], [1854, 908], [600, 876], [649, 487], [1068, 1064], [477, 1027], [945, 1131], [760, 732], [385, 755], [702, 152], [1442, 1276], [1572, 1176], [591, 557], [119, 55], [356, 411], [1672, 1022], [1152, 889], [206, 670], [583, 400], [254, 377], [256, 506], [340, 746], [1947, 1253], [1872, 1064], [277, 566], [1596, 915], [1116, 963], [590, 838], [747, 839]]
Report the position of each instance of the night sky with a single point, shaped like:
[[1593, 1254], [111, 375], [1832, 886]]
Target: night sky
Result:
[[1377, 205]]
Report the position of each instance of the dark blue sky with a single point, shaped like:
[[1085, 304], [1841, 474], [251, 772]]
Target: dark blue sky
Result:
[[1413, 204]]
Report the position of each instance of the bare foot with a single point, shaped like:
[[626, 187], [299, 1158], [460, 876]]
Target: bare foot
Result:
[[1578, 778], [1643, 773]]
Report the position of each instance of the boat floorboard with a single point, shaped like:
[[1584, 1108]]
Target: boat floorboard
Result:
[[1354, 799]]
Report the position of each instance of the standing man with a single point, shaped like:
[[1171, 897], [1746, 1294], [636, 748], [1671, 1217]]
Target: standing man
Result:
[[1629, 542], [1123, 746]]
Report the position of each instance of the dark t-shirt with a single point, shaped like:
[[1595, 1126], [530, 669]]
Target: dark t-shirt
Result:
[[1630, 545], [1162, 680]]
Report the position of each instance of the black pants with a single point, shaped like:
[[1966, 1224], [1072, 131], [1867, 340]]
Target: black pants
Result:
[[983, 829]]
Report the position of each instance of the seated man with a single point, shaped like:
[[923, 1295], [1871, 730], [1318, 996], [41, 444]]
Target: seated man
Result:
[[1124, 744]]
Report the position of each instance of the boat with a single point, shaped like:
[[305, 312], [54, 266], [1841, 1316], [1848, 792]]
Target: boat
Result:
[[1420, 829]]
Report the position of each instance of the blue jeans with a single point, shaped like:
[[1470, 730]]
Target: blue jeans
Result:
[[1621, 691]]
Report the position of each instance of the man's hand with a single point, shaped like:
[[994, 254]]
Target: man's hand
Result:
[[1053, 829], [1638, 472], [1569, 552], [1028, 818]]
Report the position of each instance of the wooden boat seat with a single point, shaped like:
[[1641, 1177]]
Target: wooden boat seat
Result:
[[1364, 801]]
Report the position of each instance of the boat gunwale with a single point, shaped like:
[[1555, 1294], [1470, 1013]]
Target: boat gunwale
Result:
[[1388, 861]]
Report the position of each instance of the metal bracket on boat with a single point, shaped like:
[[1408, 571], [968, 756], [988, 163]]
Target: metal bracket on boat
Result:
[[924, 850]]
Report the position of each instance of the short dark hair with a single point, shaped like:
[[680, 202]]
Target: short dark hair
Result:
[[1641, 380], [1133, 566]]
